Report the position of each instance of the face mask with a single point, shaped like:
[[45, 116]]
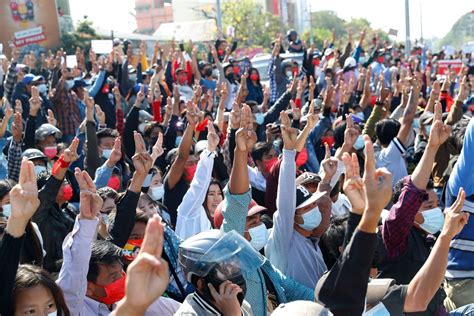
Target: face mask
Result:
[[359, 143], [433, 220], [254, 77], [115, 291], [269, 164], [177, 141], [42, 88], [230, 77], [416, 123], [360, 115], [301, 158], [208, 72], [316, 62], [289, 73], [311, 219], [328, 140], [259, 236], [428, 129], [69, 84], [189, 172], [39, 169], [114, 183], [106, 153], [182, 80], [53, 313], [131, 249], [236, 70], [67, 192], [105, 89], [220, 52], [105, 218], [133, 77], [380, 59], [259, 118], [50, 152], [362, 60], [157, 193], [7, 210]]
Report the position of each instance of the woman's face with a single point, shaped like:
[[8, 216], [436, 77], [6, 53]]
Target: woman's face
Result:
[[214, 197], [108, 206], [157, 180], [148, 207], [37, 300]]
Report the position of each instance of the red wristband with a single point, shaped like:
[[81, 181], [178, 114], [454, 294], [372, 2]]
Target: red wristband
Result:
[[59, 164], [298, 103]]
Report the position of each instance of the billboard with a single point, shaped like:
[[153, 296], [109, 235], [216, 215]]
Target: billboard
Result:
[[25, 22]]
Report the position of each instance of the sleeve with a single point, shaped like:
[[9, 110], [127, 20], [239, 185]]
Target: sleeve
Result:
[[283, 218], [190, 209], [14, 160], [92, 155], [102, 176], [462, 175], [235, 211], [76, 255], [271, 76], [345, 287], [376, 115], [124, 219], [169, 138], [273, 112], [10, 250], [396, 227], [30, 129], [294, 291], [131, 124], [119, 119], [47, 196], [94, 89], [10, 80]]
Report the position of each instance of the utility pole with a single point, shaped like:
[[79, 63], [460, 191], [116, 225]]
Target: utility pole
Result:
[[407, 29], [421, 22], [219, 15]]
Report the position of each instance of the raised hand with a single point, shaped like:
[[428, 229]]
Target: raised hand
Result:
[[157, 149], [212, 138], [100, 115], [311, 117], [455, 219], [329, 165], [35, 101], [439, 132], [296, 111], [140, 96], [353, 185], [142, 160], [350, 134], [89, 101], [23, 200], [90, 201], [235, 115], [70, 154], [18, 106], [226, 299], [245, 137], [51, 118], [192, 113], [148, 271], [17, 128], [289, 134], [378, 183], [116, 153]]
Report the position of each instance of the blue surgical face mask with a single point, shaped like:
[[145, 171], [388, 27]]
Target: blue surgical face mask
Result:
[[69, 84], [106, 153], [416, 123], [39, 169], [433, 220], [428, 129], [259, 236], [360, 115], [177, 141], [42, 88], [359, 143], [157, 193], [311, 219], [259, 118], [7, 210]]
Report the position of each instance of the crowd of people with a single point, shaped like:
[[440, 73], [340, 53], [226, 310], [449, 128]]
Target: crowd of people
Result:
[[182, 184]]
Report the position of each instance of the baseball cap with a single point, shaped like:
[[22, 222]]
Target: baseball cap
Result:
[[328, 51], [253, 209], [200, 146], [308, 177], [302, 308], [305, 198], [29, 78], [80, 83]]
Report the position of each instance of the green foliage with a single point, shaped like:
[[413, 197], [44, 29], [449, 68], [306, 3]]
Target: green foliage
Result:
[[253, 26], [461, 32], [81, 37]]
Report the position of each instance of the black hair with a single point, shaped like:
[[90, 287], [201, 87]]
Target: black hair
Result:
[[5, 187], [102, 252], [150, 127], [141, 217], [386, 130], [107, 193], [333, 238], [339, 134], [457, 135], [260, 149], [398, 186], [250, 72], [41, 178], [29, 276], [106, 132], [216, 182]]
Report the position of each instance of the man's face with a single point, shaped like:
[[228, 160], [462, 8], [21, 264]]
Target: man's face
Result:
[[268, 156], [49, 141], [138, 231], [251, 222], [106, 143], [432, 201], [108, 273]]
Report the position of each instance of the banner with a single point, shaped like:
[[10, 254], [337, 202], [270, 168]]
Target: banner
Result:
[[25, 22], [444, 65]]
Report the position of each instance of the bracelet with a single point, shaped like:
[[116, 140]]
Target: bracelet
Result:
[[59, 164]]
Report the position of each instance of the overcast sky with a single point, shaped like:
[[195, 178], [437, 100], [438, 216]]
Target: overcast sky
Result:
[[438, 15]]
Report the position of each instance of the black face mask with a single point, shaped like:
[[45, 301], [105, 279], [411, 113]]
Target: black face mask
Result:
[[208, 72], [239, 280], [230, 77]]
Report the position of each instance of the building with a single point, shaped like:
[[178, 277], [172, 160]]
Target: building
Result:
[[150, 14]]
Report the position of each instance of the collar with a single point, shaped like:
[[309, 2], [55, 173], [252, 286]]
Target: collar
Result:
[[208, 307]]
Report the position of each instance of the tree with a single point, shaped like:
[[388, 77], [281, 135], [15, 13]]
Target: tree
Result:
[[461, 32], [253, 26], [81, 37]]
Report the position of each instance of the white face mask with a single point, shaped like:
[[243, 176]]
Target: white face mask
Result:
[[42, 88], [433, 220], [105, 218], [7, 210], [39, 169], [311, 219], [157, 193], [360, 115], [259, 236], [359, 143], [55, 313], [106, 153]]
